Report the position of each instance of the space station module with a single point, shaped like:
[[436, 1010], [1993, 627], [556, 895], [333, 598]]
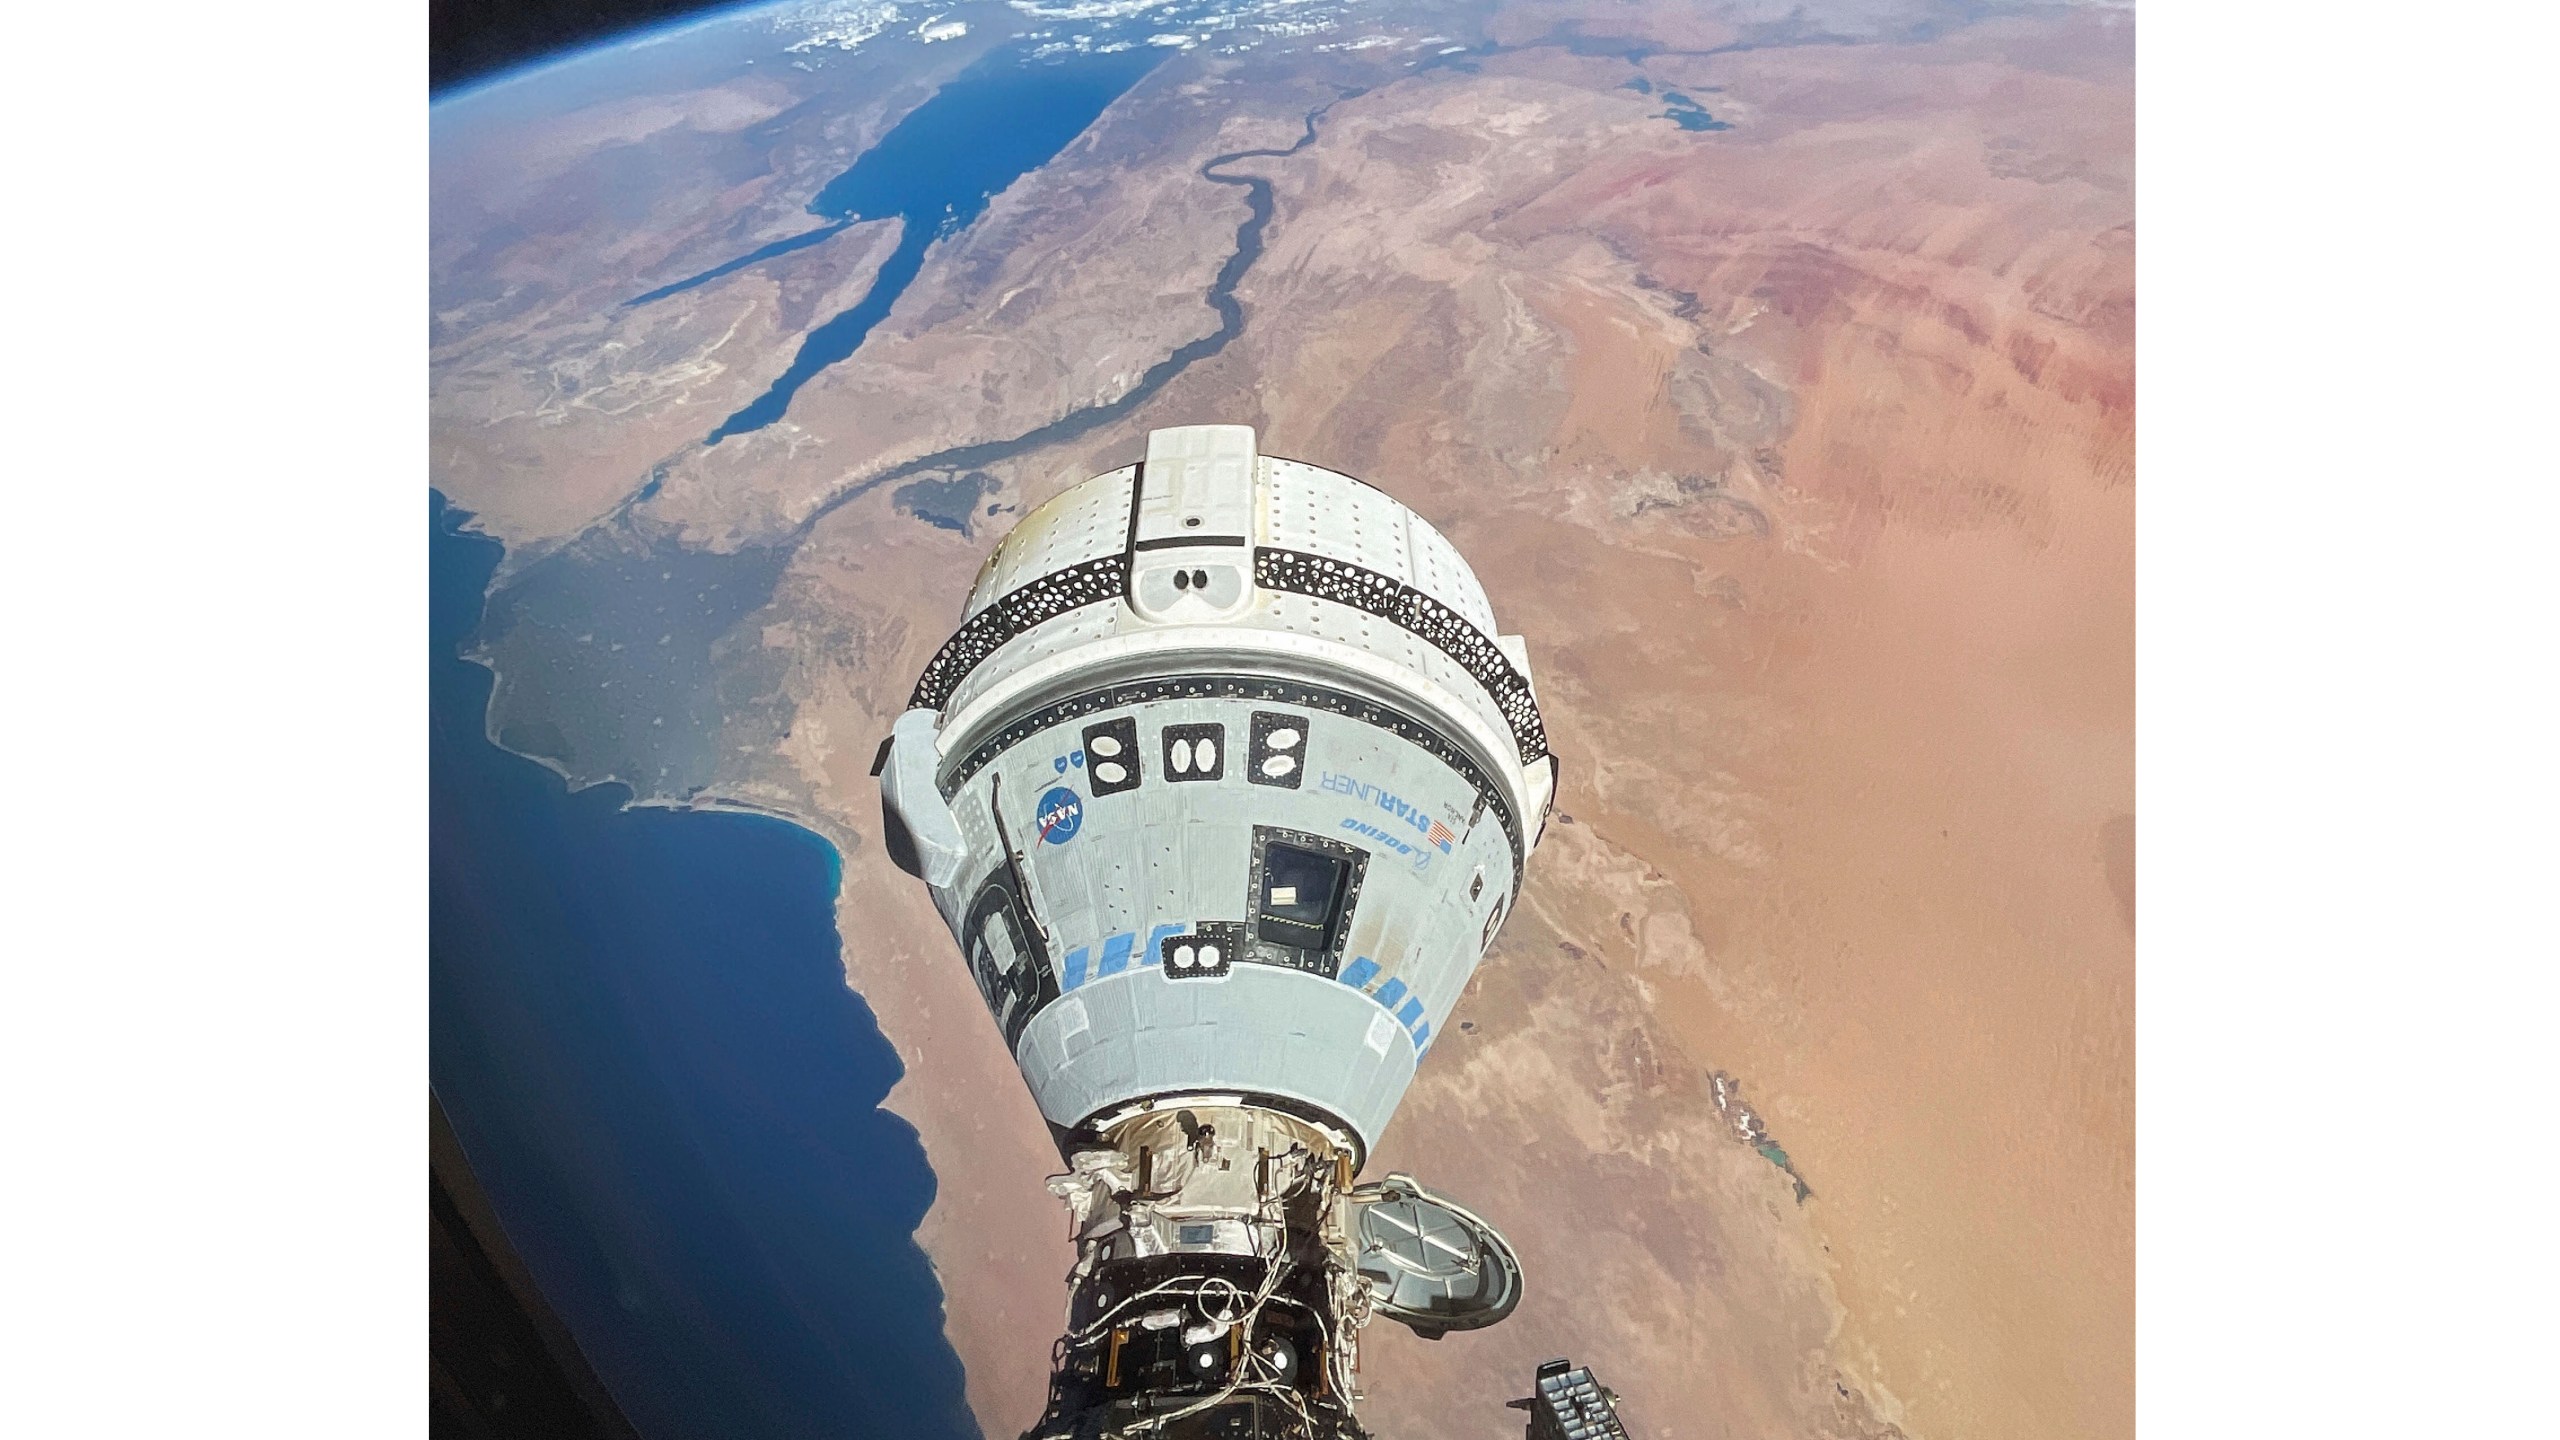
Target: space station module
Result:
[[1224, 785]]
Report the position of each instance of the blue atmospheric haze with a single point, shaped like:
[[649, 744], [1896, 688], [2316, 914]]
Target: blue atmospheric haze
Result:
[[641, 1031]]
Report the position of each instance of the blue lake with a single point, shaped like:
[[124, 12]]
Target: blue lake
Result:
[[935, 170], [641, 1032]]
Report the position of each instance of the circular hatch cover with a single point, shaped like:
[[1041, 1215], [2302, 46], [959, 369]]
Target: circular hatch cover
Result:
[[1431, 1263]]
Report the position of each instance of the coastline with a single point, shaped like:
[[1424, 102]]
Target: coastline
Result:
[[989, 1202], [650, 1073], [1928, 1022]]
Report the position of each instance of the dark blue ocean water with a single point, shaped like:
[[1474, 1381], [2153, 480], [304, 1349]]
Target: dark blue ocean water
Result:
[[1000, 119], [641, 1032]]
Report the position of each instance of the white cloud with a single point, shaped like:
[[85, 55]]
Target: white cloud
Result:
[[842, 25], [1086, 9]]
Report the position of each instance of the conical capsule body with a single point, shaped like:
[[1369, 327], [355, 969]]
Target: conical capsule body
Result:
[[1224, 785]]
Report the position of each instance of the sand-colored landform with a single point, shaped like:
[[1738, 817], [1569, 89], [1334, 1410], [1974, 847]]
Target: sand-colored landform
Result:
[[1801, 452]]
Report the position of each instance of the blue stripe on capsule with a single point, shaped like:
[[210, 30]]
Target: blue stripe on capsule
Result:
[[1155, 943], [1076, 959], [1394, 997], [1115, 953]]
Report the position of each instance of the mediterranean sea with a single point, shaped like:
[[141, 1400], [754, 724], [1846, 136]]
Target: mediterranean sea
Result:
[[641, 1032]]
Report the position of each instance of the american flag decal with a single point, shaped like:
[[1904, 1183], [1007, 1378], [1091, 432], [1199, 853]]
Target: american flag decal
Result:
[[1441, 836]]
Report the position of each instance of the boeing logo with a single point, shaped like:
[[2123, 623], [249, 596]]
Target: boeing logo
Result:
[[1429, 829], [1421, 858]]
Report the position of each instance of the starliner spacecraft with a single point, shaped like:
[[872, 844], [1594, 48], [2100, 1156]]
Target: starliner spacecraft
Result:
[[1224, 785]]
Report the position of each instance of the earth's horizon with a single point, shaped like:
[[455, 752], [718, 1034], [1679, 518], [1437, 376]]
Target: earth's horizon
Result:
[[1773, 363]]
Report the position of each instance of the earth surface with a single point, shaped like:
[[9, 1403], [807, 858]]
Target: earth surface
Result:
[[1773, 364]]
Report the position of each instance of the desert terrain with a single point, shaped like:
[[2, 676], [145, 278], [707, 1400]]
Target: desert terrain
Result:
[[1799, 448]]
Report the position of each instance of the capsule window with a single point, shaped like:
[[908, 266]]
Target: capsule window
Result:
[[1302, 894], [996, 934], [1277, 753], [1111, 756], [1301, 900], [1195, 752], [1006, 959]]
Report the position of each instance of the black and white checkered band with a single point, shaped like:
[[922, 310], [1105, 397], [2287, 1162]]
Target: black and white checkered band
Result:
[[1420, 616], [1107, 578], [1088, 582]]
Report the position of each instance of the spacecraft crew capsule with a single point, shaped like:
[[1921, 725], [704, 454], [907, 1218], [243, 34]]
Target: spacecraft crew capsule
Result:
[[1224, 785]]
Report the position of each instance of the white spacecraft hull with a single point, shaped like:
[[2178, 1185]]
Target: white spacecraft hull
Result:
[[1224, 785]]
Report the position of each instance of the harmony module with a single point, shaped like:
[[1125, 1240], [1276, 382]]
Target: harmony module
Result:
[[1224, 785]]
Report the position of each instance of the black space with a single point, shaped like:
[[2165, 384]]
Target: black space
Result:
[[472, 39], [501, 1365]]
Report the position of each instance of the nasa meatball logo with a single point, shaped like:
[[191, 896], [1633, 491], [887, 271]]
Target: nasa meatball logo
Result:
[[1060, 816]]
